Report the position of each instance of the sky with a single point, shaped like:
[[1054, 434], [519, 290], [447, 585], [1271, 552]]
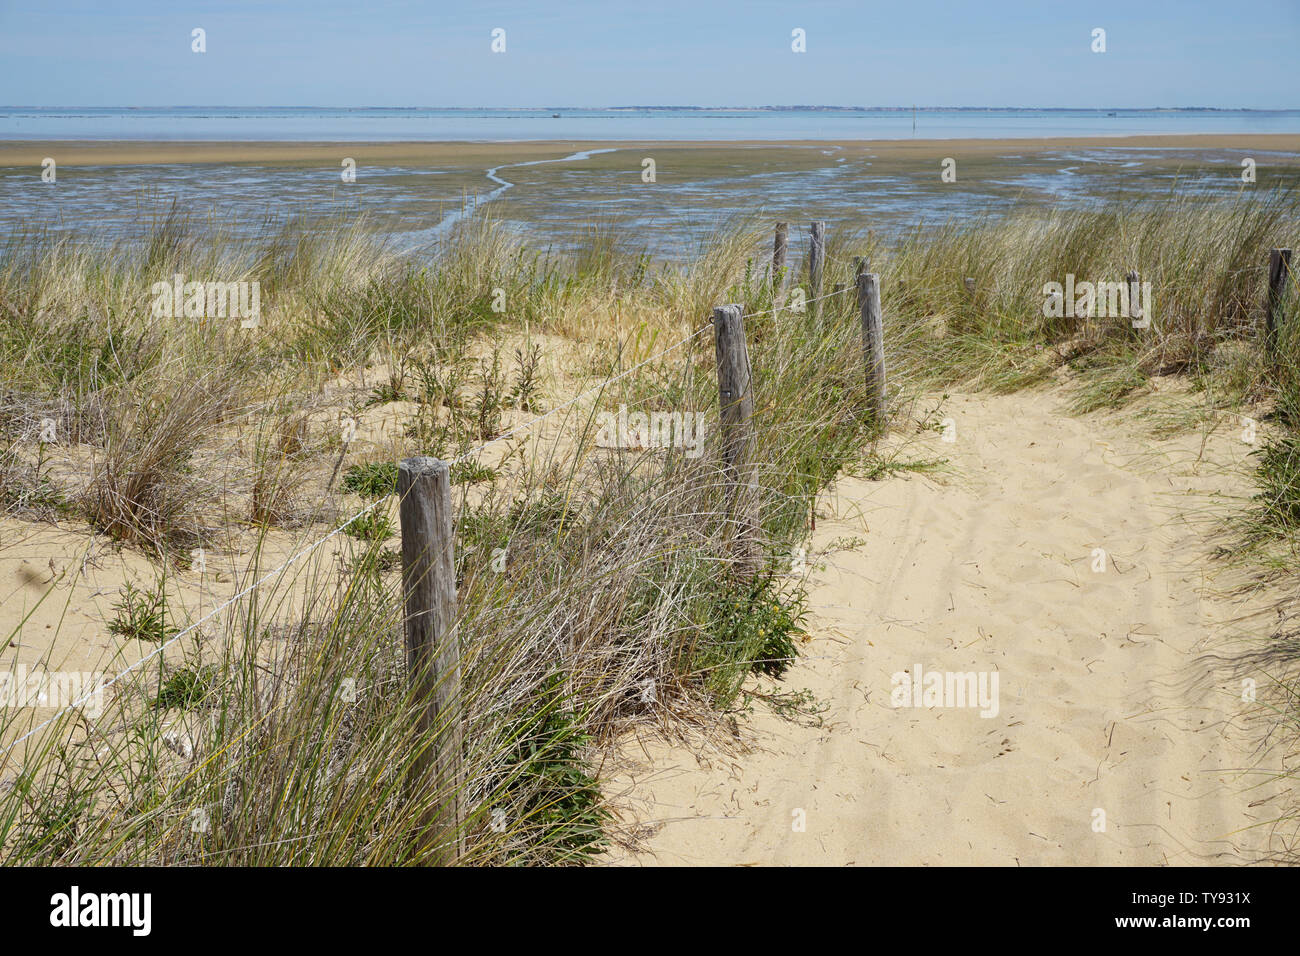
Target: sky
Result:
[[580, 53]]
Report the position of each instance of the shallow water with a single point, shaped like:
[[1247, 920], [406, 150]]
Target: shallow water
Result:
[[555, 201]]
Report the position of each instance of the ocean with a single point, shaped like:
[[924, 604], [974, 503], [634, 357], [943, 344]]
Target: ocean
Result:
[[330, 124], [555, 195]]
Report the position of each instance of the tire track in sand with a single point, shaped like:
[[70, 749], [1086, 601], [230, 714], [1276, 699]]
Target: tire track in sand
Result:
[[1102, 705]]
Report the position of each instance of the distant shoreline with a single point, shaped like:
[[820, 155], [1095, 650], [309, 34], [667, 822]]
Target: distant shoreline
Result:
[[678, 109], [15, 153]]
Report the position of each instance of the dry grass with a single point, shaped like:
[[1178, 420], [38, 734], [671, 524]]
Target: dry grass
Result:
[[585, 575]]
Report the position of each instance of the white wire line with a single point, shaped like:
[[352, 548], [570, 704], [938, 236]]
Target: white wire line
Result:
[[370, 507], [316, 544], [595, 388], [782, 308], [99, 688]]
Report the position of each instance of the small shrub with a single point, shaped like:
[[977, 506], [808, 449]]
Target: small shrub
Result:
[[471, 473], [370, 527], [142, 615], [490, 400], [523, 394], [553, 789], [753, 632], [186, 689], [391, 391], [377, 479]]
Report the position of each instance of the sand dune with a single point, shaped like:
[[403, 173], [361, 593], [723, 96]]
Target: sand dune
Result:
[[1105, 704]]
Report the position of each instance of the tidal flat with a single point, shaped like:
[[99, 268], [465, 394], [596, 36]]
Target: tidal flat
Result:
[[662, 199]]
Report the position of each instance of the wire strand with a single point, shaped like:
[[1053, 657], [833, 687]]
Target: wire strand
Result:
[[100, 688], [579, 397]]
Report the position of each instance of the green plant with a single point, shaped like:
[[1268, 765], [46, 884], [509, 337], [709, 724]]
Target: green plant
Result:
[[877, 466], [144, 489], [370, 526], [440, 382], [523, 394], [376, 479], [390, 391], [1278, 476], [489, 401], [28, 489], [550, 785], [142, 614], [186, 689], [470, 472], [754, 631]]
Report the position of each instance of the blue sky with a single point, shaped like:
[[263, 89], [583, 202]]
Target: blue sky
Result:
[[1032, 53]]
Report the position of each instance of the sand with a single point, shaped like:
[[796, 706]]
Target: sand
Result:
[[486, 154], [60, 582], [1106, 703]]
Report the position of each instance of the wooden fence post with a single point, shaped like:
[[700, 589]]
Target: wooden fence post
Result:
[[779, 246], [1279, 270], [873, 347], [736, 405], [816, 263], [1136, 319], [432, 644]]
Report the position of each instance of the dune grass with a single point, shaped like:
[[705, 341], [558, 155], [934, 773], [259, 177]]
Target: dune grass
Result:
[[598, 589]]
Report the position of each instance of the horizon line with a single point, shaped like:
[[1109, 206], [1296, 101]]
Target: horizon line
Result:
[[809, 107]]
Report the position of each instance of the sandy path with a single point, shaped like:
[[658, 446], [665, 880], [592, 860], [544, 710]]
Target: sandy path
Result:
[[1102, 703]]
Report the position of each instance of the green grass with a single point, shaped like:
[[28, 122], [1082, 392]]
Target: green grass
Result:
[[878, 467], [185, 689], [374, 480], [1107, 381], [621, 570], [550, 786], [370, 526], [1278, 474], [141, 615]]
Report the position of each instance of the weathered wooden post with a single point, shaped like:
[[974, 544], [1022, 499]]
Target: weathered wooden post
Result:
[[432, 645], [779, 246], [873, 347], [1279, 270], [736, 404], [1136, 318], [816, 263]]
